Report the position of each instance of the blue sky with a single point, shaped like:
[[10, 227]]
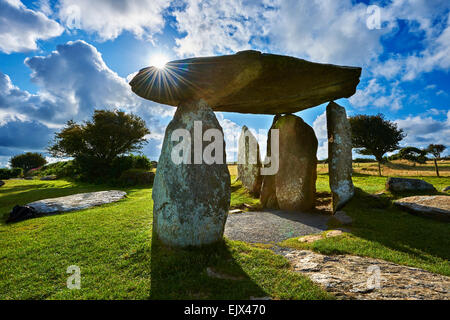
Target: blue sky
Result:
[[59, 60]]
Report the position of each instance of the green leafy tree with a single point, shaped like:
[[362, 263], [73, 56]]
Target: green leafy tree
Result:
[[27, 161], [95, 144], [373, 135], [436, 150], [415, 155]]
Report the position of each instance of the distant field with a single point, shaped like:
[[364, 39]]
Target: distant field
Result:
[[397, 168], [394, 168]]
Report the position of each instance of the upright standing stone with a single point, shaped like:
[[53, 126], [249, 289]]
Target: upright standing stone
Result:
[[191, 201], [339, 155], [295, 182], [249, 162]]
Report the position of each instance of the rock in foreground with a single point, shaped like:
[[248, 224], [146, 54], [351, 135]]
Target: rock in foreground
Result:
[[247, 82], [76, 202], [293, 187], [190, 201], [249, 162], [437, 207], [363, 278], [405, 185], [339, 155]]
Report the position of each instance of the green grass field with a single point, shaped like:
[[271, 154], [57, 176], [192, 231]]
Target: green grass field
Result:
[[113, 246]]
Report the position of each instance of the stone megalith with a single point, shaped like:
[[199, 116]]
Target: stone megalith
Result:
[[339, 156], [247, 82], [191, 198], [293, 187], [249, 162]]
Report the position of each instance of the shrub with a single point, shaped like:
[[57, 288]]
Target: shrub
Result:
[[10, 173], [28, 161], [142, 162], [137, 177]]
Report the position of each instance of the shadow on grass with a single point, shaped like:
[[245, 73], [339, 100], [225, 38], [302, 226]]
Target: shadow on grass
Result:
[[378, 220], [182, 273]]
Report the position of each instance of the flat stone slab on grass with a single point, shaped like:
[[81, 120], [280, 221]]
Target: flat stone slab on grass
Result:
[[273, 226], [347, 277], [76, 201], [407, 184], [437, 207]]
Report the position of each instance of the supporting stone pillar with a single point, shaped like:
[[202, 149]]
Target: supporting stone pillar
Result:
[[293, 187], [339, 155], [191, 198], [249, 162]]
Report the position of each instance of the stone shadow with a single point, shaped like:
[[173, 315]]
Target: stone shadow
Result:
[[207, 272], [375, 218], [273, 226]]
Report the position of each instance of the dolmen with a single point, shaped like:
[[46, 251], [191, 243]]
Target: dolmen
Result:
[[191, 192]]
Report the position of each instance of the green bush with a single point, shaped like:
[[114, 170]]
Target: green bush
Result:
[[142, 162], [137, 177], [61, 169], [28, 161], [124, 163], [10, 173]]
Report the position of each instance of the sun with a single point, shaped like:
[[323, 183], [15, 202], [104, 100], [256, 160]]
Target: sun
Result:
[[159, 61]]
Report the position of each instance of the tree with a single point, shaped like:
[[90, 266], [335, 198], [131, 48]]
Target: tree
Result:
[[415, 155], [436, 150], [96, 143], [373, 135], [27, 161]]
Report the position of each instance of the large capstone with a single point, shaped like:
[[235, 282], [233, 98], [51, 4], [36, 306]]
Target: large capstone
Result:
[[339, 155], [191, 193], [247, 82], [293, 186], [249, 162]]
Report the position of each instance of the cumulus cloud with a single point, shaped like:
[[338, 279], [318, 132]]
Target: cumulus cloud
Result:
[[325, 31], [424, 17], [380, 96], [217, 26], [422, 131], [73, 80], [320, 128], [108, 19], [21, 28]]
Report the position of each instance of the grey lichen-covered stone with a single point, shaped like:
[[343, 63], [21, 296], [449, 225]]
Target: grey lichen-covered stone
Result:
[[191, 201], [436, 207], [247, 82], [353, 277], [293, 187], [249, 162], [406, 184], [339, 156], [77, 201]]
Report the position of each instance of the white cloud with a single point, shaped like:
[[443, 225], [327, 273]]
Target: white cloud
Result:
[[422, 131], [325, 31], [320, 128], [434, 56], [375, 95], [21, 28], [73, 81], [109, 19], [217, 26]]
